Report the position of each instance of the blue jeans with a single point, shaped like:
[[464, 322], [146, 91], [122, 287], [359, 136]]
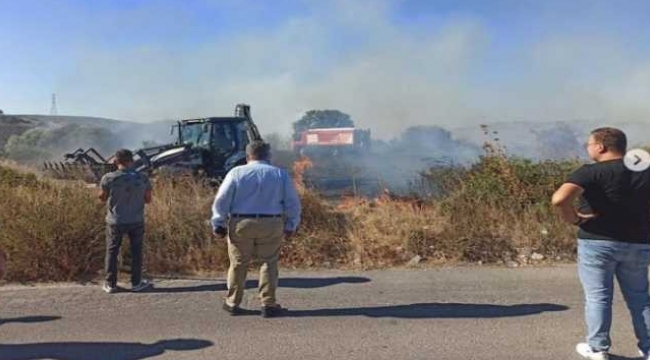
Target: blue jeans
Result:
[[598, 262]]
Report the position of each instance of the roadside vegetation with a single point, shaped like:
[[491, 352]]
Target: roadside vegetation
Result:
[[496, 211]]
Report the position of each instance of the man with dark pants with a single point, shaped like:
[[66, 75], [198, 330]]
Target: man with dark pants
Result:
[[613, 239], [126, 192], [256, 206]]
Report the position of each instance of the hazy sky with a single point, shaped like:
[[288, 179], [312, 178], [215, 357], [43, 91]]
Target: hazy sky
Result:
[[389, 63]]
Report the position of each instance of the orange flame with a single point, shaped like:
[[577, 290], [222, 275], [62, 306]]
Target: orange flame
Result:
[[409, 202], [299, 167]]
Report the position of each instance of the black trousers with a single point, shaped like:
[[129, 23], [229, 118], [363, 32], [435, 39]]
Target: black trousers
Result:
[[114, 235]]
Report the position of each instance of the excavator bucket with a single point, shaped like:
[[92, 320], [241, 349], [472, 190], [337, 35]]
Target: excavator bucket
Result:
[[87, 165]]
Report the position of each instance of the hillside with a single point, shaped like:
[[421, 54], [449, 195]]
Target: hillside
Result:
[[80, 120], [15, 125], [123, 133]]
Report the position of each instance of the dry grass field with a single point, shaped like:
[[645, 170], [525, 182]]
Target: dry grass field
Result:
[[494, 212]]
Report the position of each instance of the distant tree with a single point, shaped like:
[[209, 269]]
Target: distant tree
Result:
[[558, 143], [434, 144], [426, 137], [321, 119]]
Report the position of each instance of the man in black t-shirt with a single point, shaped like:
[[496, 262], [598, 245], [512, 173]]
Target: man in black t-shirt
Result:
[[613, 216]]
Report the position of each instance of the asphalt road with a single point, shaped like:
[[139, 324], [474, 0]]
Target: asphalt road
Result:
[[442, 313]]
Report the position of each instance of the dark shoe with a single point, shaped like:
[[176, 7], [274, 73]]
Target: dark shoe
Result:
[[272, 311], [233, 310]]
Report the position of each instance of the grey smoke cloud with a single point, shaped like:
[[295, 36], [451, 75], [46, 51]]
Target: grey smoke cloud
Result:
[[387, 78]]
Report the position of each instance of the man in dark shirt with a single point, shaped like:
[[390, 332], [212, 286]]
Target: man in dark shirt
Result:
[[613, 216], [126, 192]]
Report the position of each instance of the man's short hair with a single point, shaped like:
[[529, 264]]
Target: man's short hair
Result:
[[123, 156], [258, 150], [612, 139]]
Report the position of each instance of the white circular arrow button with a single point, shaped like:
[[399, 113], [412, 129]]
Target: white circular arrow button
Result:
[[637, 160]]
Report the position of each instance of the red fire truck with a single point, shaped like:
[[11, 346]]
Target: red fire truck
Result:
[[334, 141]]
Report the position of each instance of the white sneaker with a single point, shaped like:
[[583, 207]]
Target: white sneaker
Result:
[[644, 355], [108, 288], [144, 284], [588, 353]]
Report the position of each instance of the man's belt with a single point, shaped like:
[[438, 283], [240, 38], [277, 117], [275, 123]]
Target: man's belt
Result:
[[255, 216]]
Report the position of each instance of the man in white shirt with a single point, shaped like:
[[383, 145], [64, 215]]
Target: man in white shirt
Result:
[[256, 206]]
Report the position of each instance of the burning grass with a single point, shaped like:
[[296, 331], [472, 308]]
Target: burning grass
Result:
[[496, 211]]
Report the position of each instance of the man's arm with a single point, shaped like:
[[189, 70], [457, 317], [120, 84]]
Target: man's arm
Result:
[[222, 203], [103, 195], [147, 192], [147, 196], [563, 200], [291, 205], [105, 190]]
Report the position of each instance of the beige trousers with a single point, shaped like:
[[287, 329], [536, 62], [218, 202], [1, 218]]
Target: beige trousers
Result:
[[248, 239]]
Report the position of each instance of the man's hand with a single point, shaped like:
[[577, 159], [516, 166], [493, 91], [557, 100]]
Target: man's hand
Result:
[[103, 196], [563, 199], [220, 232], [583, 218]]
